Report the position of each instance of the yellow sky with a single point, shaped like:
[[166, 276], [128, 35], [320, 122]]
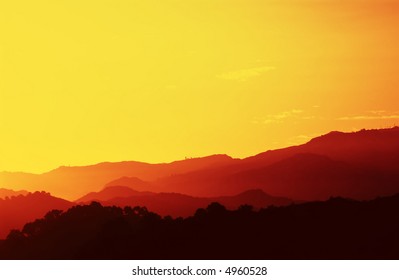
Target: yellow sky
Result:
[[85, 81]]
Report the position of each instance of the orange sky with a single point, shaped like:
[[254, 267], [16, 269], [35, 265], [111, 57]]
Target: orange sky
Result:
[[109, 80]]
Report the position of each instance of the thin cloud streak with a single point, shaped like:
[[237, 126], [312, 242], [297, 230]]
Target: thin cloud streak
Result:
[[280, 117], [244, 75], [376, 115]]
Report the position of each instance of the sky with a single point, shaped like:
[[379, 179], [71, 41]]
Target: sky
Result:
[[88, 81]]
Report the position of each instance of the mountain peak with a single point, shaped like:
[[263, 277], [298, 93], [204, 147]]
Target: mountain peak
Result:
[[10, 193], [356, 135]]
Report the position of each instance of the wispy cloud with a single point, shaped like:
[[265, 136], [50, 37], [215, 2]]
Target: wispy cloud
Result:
[[280, 117], [372, 115], [293, 115], [245, 74]]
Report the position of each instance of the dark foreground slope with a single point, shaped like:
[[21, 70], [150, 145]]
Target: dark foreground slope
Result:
[[16, 211], [334, 229]]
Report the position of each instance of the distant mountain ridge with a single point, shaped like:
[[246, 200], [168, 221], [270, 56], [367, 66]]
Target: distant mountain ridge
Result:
[[111, 192], [74, 182], [360, 165], [176, 204], [10, 193], [131, 182], [18, 210]]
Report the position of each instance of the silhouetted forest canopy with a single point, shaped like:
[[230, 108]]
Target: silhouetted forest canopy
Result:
[[334, 229]]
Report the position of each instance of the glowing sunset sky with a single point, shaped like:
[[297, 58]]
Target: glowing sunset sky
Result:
[[89, 81]]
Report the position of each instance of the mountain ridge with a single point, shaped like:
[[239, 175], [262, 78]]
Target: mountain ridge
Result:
[[177, 204], [365, 152], [10, 193], [18, 210]]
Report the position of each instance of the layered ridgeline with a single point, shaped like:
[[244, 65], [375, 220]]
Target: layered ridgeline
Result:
[[334, 229], [16, 211], [74, 182], [360, 165], [4, 193], [179, 205]]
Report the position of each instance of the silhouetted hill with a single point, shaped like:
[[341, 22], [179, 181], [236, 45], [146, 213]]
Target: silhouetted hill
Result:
[[372, 147], [256, 198], [131, 182], [175, 204], [18, 210], [20, 180], [85, 179], [10, 193], [360, 165], [316, 177], [334, 229], [111, 192], [300, 177]]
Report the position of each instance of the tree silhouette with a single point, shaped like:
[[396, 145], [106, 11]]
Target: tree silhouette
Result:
[[334, 229]]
